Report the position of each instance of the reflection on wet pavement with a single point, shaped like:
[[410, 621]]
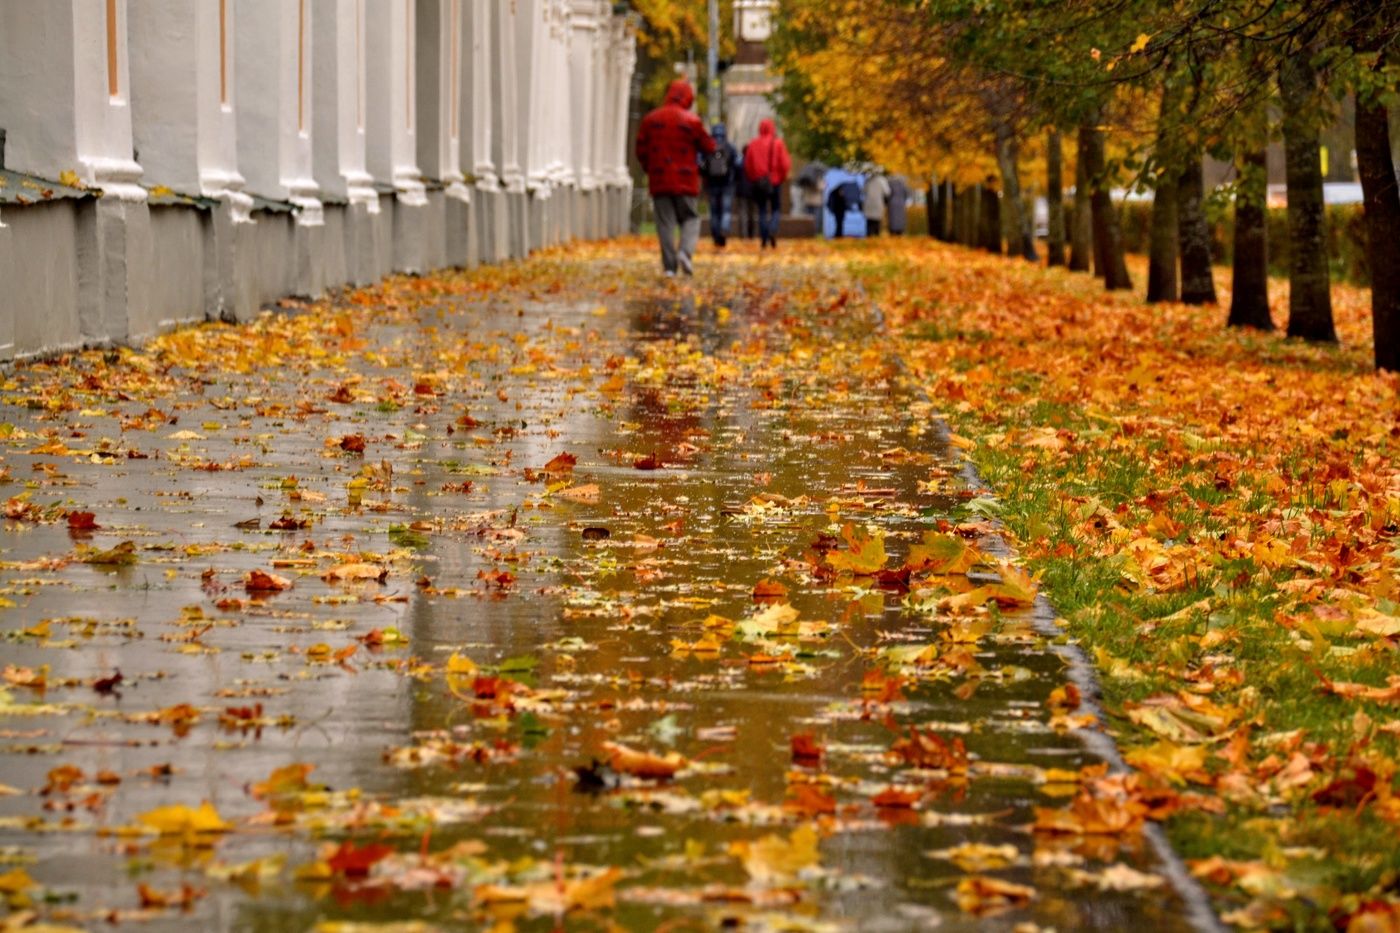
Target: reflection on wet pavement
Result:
[[537, 573]]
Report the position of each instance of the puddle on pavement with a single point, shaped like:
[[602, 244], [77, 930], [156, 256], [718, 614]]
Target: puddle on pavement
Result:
[[771, 431]]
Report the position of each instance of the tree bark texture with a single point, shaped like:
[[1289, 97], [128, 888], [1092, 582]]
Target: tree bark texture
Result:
[[1249, 289], [1054, 200], [1382, 204], [935, 209], [1021, 238], [1081, 247], [965, 210], [989, 221], [1108, 235], [949, 213], [1161, 250], [1309, 280], [1193, 234]]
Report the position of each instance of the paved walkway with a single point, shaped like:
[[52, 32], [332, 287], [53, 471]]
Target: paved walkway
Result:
[[538, 589]]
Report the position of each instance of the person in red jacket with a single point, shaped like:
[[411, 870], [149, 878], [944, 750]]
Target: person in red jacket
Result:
[[668, 142], [766, 166]]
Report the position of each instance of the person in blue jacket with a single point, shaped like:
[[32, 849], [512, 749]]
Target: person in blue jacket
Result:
[[720, 170]]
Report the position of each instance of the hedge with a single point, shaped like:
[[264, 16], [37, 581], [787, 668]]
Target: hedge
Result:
[[1346, 236]]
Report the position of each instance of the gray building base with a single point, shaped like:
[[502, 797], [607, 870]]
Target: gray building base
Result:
[[79, 270]]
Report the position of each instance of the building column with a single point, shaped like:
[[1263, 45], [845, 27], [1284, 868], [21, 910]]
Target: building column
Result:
[[392, 115], [183, 123], [480, 117], [505, 136], [392, 125], [65, 103], [585, 86], [273, 103], [441, 45], [624, 58], [442, 36], [338, 147]]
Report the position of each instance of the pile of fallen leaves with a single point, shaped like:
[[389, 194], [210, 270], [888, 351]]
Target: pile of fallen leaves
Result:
[[1216, 515]]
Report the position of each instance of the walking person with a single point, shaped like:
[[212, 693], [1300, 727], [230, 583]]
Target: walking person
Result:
[[766, 165], [720, 170], [843, 197], [877, 192], [670, 141], [897, 211]]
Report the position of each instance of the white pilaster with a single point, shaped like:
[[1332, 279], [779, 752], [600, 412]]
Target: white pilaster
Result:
[[477, 105], [273, 103], [441, 70], [392, 118], [183, 122], [584, 87], [531, 38], [65, 90], [505, 112], [338, 138]]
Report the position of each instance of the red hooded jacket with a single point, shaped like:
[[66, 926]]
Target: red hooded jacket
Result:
[[767, 155], [668, 141]]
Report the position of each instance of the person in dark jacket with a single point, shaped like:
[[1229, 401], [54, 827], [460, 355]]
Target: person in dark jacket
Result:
[[720, 170], [766, 166], [843, 198], [669, 142]]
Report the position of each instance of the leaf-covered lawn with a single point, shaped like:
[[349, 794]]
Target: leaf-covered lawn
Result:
[[1214, 515]]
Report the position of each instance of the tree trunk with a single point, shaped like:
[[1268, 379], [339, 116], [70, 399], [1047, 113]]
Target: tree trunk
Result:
[[934, 209], [989, 221], [1108, 235], [1249, 291], [1382, 201], [1193, 234], [949, 213], [1309, 282], [1021, 238], [1081, 246], [1161, 250], [965, 219], [1055, 200]]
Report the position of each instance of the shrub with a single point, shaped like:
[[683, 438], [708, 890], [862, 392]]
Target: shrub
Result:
[[1346, 238]]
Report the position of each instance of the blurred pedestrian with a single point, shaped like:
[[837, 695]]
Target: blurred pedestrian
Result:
[[877, 193], [897, 209], [670, 141], [842, 198], [720, 170], [766, 165]]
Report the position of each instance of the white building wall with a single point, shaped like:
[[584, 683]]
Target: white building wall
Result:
[[309, 121]]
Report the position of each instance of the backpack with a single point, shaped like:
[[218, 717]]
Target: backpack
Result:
[[717, 164]]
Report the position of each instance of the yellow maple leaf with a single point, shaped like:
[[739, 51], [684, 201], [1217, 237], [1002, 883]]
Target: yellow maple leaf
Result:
[[773, 858], [178, 819], [865, 554]]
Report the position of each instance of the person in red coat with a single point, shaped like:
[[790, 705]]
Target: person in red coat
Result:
[[669, 141], [766, 166]]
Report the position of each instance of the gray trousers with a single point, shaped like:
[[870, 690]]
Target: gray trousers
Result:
[[673, 211]]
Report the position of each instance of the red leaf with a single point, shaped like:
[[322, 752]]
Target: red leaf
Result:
[[355, 862], [82, 521], [806, 750]]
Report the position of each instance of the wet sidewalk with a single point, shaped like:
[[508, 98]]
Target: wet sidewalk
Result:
[[546, 590]]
